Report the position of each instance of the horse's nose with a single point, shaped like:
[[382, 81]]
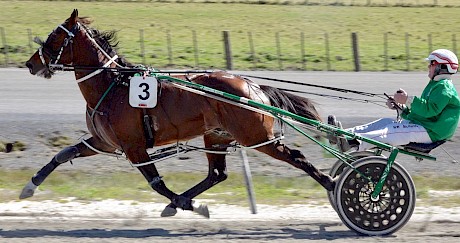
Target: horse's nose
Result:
[[29, 65]]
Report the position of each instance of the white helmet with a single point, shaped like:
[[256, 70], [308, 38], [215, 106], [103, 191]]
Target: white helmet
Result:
[[444, 56]]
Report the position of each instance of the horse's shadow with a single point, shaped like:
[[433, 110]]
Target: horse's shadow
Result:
[[292, 231]]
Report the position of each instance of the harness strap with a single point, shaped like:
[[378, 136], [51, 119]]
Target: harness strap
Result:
[[97, 45], [40, 53], [114, 154], [101, 99], [98, 71], [70, 34]]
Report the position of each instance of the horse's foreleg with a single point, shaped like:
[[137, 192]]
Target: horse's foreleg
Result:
[[152, 176], [65, 155]]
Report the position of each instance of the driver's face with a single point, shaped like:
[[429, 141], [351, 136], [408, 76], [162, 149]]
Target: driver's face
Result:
[[431, 69]]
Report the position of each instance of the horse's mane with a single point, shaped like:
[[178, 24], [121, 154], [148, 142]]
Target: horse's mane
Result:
[[108, 40]]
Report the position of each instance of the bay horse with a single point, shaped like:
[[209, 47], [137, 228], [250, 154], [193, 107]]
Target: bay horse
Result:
[[178, 116]]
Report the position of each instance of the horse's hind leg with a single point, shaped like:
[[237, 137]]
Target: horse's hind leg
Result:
[[65, 155], [217, 173], [298, 160]]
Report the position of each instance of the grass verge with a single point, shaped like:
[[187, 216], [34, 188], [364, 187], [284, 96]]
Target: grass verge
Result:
[[268, 189]]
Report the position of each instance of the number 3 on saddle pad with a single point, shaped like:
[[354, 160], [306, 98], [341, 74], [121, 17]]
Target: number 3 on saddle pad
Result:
[[143, 92]]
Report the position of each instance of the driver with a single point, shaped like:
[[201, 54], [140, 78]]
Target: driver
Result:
[[430, 117]]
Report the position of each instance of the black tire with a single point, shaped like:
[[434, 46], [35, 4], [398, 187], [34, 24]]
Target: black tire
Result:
[[383, 216], [338, 167]]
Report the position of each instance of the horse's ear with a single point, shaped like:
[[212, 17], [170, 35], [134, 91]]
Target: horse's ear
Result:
[[74, 17]]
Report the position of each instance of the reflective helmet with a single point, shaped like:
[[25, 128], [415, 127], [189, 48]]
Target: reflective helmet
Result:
[[444, 56]]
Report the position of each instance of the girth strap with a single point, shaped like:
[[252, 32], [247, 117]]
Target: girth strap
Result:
[[148, 129]]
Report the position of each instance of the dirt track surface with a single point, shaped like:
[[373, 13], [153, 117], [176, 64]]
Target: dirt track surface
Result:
[[32, 110], [99, 222]]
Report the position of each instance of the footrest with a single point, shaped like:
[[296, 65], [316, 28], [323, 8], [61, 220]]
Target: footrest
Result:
[[423, 147]]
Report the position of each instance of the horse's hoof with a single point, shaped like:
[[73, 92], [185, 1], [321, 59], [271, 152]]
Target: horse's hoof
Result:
[[8, 147], [28, 190], [168, 212], [331, 185], [202, 210]]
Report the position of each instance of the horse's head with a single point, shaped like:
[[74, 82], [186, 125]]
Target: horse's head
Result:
[[56, 49]]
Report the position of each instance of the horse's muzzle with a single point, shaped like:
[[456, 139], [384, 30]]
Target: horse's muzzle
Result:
[[30, 66]]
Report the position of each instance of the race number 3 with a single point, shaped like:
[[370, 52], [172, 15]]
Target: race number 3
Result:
[[143, 92]]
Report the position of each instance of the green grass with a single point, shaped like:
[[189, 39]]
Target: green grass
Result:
[[288, 18], [132, 186]]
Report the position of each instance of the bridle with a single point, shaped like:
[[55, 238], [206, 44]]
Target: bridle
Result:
[[53, 62], [53, 58]]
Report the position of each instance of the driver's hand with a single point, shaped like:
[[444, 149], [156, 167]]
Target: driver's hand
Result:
[[400, 96], [391, 104]]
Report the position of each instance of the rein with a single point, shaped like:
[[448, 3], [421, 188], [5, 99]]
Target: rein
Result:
[[337, 97], [61, 67], [319, 86]]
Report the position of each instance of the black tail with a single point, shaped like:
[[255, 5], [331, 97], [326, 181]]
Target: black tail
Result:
[[298, 105]]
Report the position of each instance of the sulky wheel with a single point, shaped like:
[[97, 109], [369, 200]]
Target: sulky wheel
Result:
[[381, 216], [338, 167]]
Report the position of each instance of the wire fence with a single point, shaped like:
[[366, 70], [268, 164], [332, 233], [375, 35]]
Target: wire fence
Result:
[[287, 51]]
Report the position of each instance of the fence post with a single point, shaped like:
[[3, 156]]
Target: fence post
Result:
[[5, 47], [278, 51], [195, 47], [430, 45], [407, 52], [354, 41], [228, 50], [168, 39], [248, 180], [141, 41], [385, 51], [251, 48], [29, 34], [454, 43], [328, 57], [302, 51]]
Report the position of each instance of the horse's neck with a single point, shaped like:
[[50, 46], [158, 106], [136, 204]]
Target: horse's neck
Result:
[[92, 84]]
